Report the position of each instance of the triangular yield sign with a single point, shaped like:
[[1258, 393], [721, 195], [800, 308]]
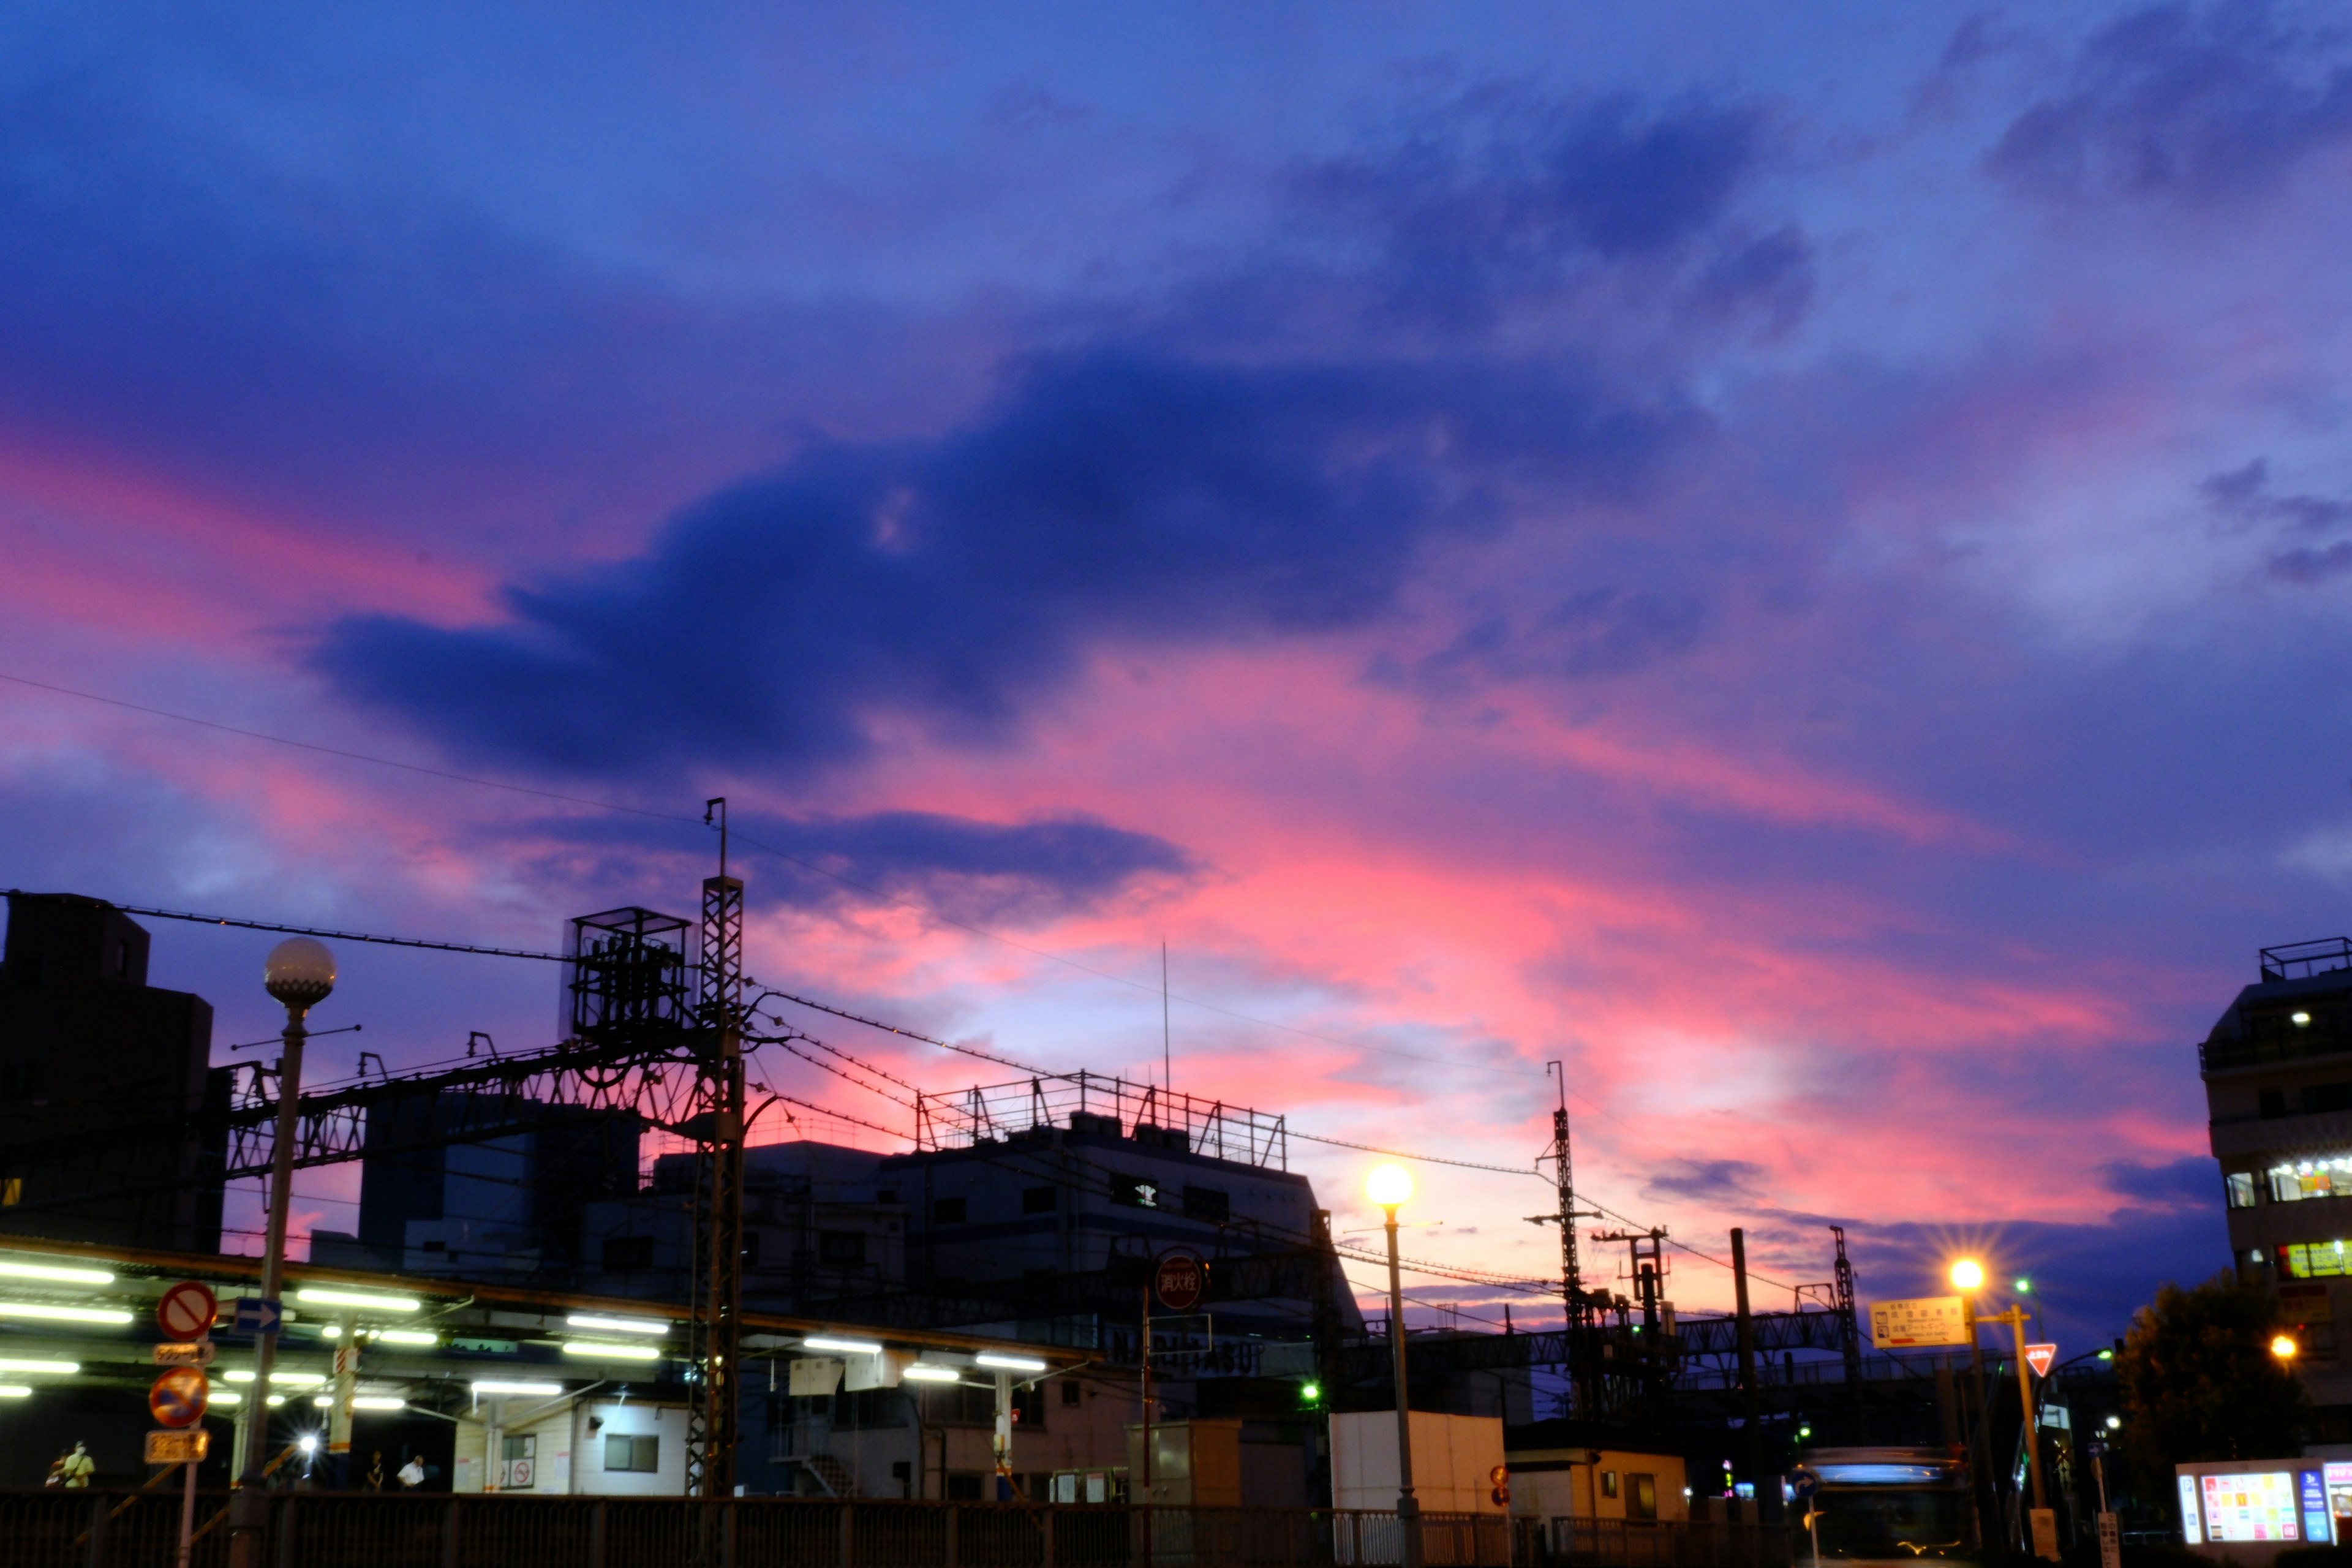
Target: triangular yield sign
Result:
[[2039, 1358]]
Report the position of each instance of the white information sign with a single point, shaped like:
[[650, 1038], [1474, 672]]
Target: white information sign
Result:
[[1928, 1321]]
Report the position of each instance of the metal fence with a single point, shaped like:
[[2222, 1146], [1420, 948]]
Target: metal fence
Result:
[[365, 1530], [1659, 1543]]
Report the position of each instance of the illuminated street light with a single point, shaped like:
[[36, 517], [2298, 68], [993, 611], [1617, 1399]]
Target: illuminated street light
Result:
[[1389, 1186], [1968, 1275], [1009, 1362], [2283, 1347], [2115, 1423], [2025, 1286]]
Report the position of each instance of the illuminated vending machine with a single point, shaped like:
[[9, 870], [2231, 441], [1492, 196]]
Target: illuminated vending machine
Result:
[[2338, 1480], [2246, 1510]]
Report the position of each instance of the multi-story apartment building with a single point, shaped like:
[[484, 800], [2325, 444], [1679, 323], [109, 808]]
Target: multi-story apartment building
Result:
[[2278, 1085]]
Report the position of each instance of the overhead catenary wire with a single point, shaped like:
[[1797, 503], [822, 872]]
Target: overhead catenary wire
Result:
[[942, 917], [437, 945]]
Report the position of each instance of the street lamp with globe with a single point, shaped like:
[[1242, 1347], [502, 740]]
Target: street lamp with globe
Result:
[[1388, 1188], [299, 974]]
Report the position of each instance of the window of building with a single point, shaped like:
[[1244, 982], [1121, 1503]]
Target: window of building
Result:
[[947, 1211], [1037, 1200], [2273, 1103], [2242, 1189], [842, 1248], [1607, 1483], [626, 1252], [641, 1454], [2314, 1261], [1209, 1203], [2322, 1178], [1644, 1502], [1134, 1192], [965, 1489], [1070, 1391]]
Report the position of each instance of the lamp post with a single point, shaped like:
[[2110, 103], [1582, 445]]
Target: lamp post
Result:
[[299, 973], [1389, 1186], [1967, 1279]]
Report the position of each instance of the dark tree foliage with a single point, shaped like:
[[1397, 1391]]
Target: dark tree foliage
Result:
[[2199, 1382]]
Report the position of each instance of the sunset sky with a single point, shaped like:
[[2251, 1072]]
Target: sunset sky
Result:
[[1794, 561]]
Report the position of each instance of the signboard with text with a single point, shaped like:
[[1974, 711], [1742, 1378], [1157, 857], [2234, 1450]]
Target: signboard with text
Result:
[[1926, 1320], [2039, 1358]]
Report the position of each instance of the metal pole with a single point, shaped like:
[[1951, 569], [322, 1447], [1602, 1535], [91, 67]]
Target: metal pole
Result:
[[187, 1514], [1144, 1361], [339, 1417], [1408, 1506], [2025, 1404], [1004, 1436], [247, 1508], [1979, 1440]]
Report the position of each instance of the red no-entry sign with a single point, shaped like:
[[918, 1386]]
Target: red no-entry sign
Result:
[[186, 1311]]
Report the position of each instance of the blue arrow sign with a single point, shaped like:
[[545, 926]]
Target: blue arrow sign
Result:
[[1806, 1480], [258, 1315]]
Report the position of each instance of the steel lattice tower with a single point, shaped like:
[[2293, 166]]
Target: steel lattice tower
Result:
[[714, 1420]]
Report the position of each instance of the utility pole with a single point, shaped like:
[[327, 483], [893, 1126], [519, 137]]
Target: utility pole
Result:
[[714, 1418], [1768, 1496]]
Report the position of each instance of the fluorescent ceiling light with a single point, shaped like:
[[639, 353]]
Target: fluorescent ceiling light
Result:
[[613, 1353], [378, 1402], [407, 1337], [15, 1391], [61, 1368], [1010, 1363], [923, 1371], [549, 1389], [231, 1396], [618, 1325], [319, 1296], [290, 1379], [64, 1314], [12, 1271], [845, 1347]]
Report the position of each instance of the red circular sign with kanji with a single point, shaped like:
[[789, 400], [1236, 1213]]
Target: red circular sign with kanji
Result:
[[1179, 1279], [187, 1310], [178, 1396]]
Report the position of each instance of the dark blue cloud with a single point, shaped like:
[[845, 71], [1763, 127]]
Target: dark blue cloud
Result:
[[1016, 873], [999, 873], [2176, 102], [1716, 1181], [2193, 1180], [1105, 494], [1501, 197]]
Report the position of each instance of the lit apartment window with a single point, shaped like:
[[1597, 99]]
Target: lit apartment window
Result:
[[2242, 1189], [2324, 1178], [2315, 1260]]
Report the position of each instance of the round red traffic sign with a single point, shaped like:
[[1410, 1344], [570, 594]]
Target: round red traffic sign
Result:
[[178, 1396], [1179, 1279], [187, 1310]]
